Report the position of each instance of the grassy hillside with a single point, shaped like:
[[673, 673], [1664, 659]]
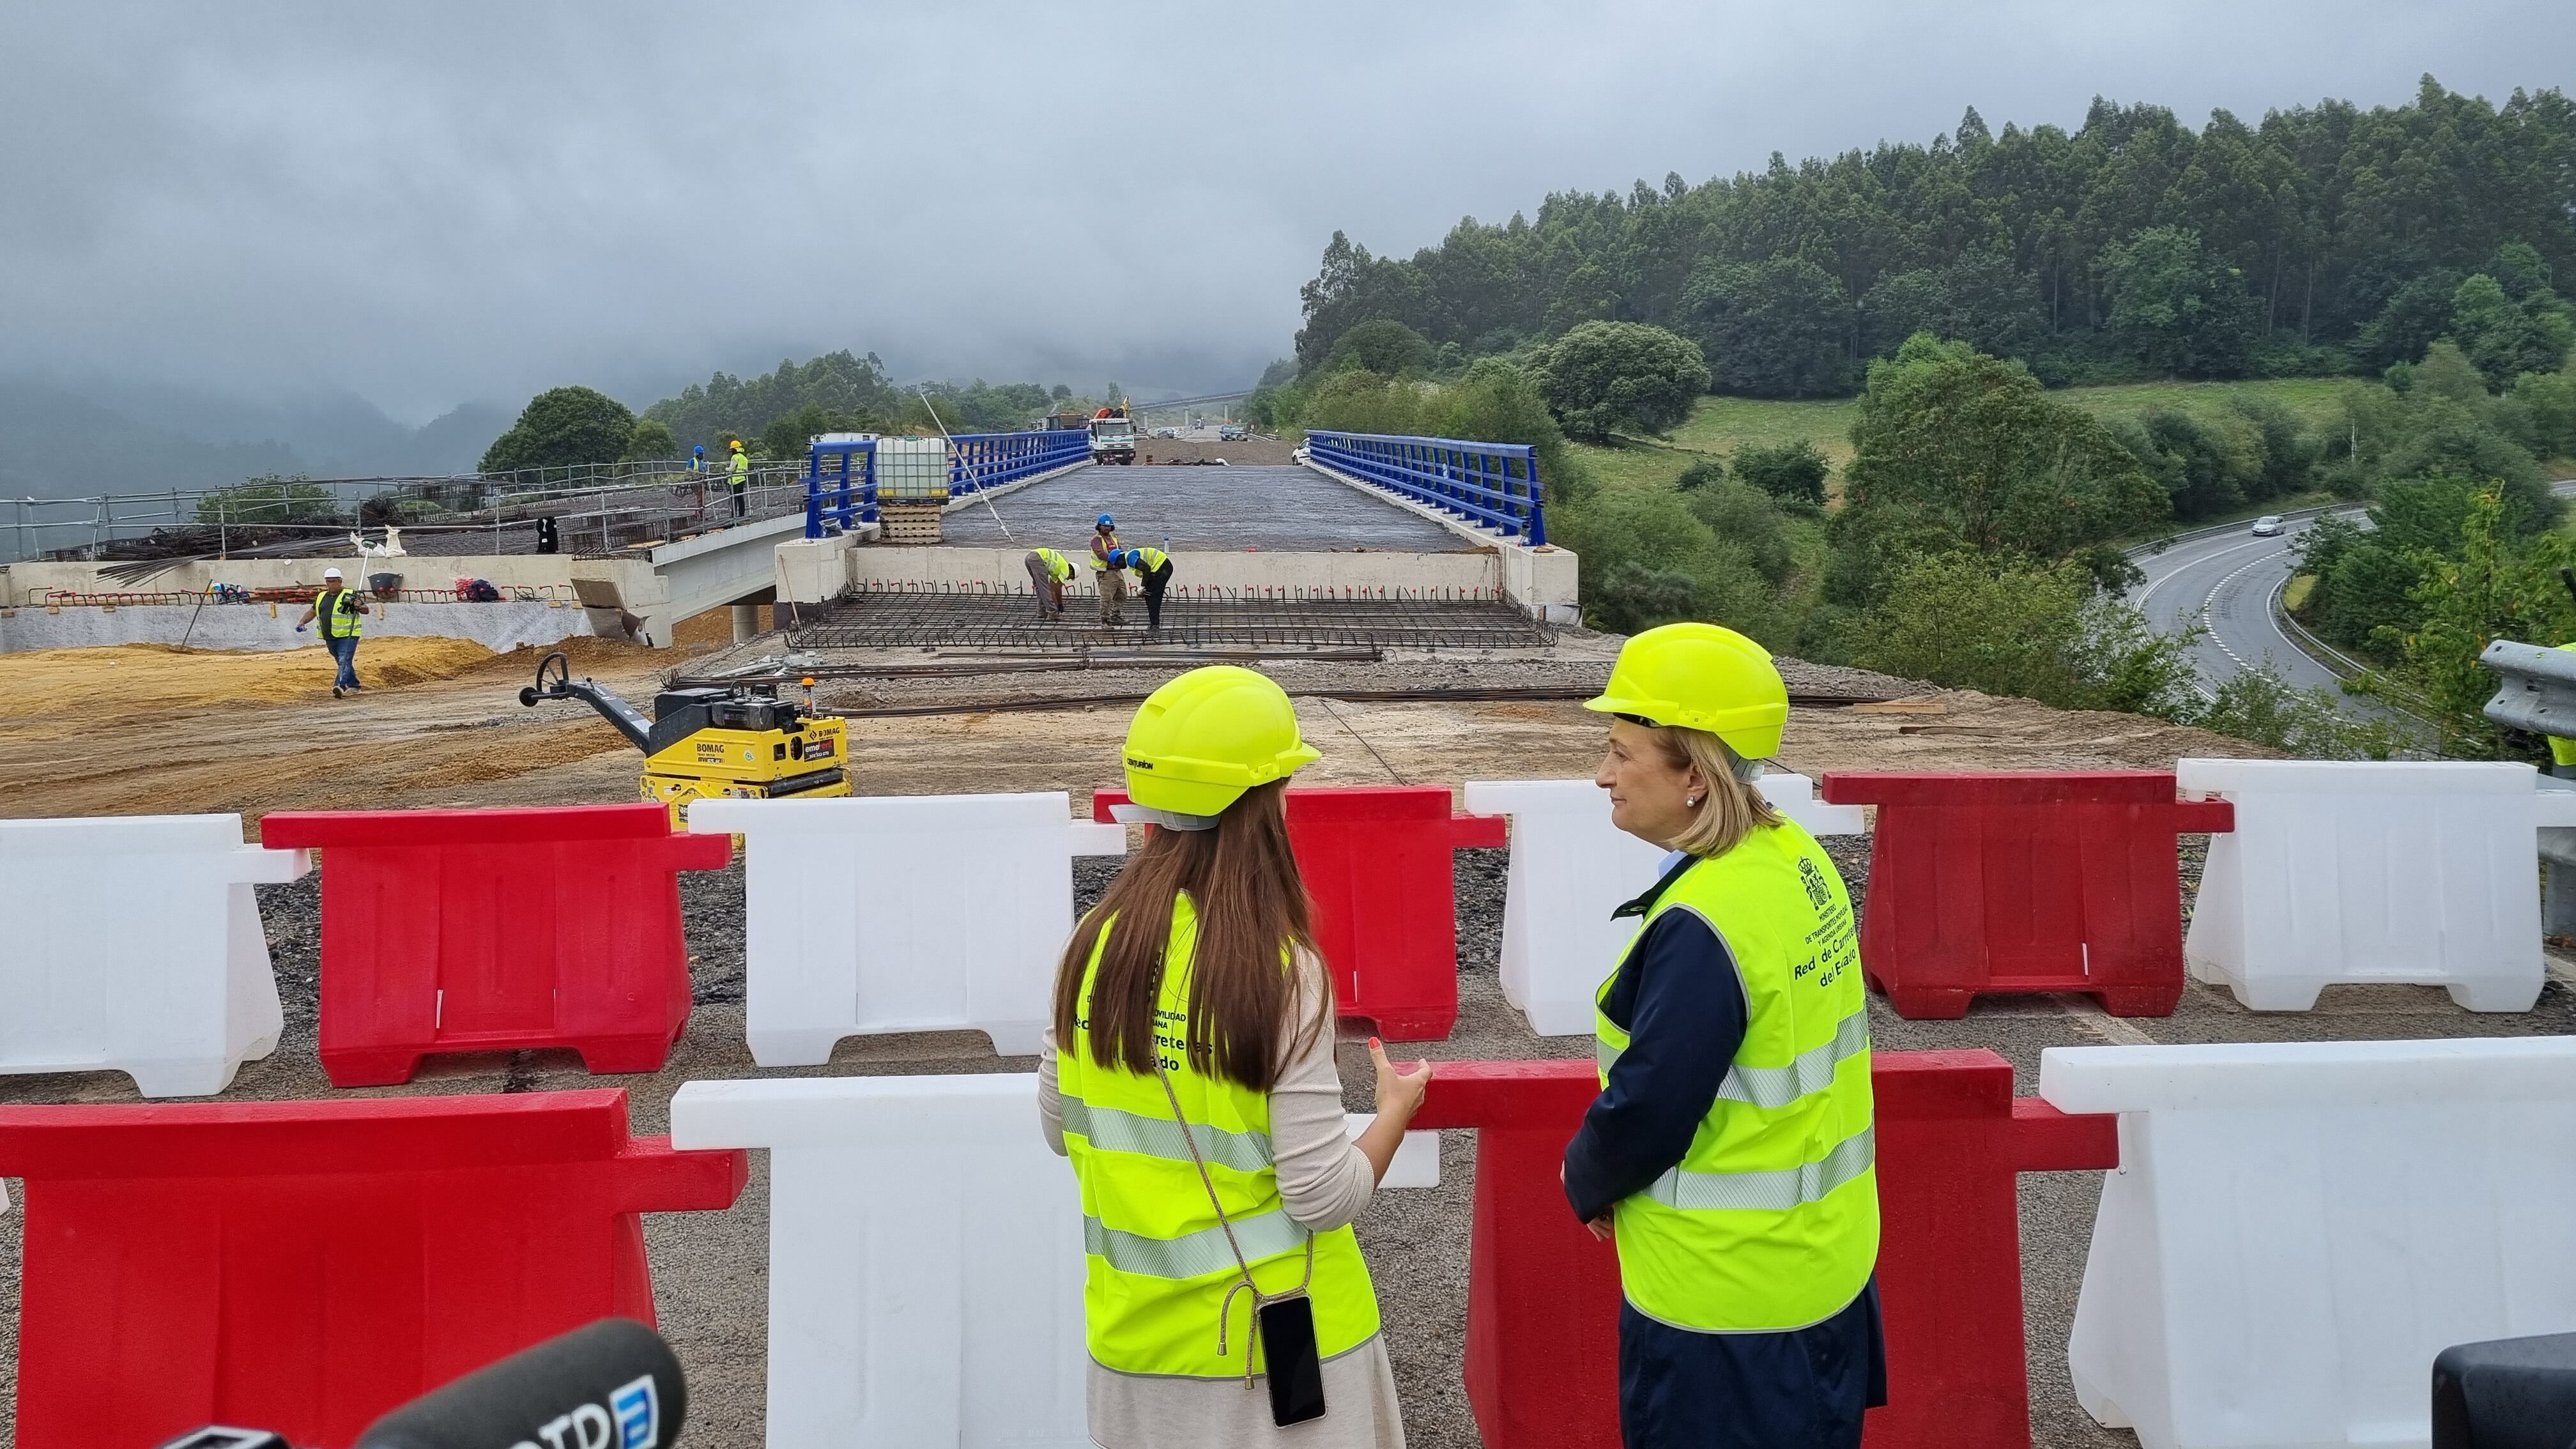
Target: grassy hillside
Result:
[[1720, 425]]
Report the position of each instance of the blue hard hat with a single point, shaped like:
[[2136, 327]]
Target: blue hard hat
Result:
[[1118, 558], [1108, 522], [700, 449]]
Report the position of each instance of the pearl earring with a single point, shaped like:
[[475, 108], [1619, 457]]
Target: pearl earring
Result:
[[1693, 802]]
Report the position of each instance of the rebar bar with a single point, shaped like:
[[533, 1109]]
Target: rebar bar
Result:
[[1003, 616]]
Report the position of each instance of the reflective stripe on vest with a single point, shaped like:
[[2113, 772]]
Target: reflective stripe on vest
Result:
[[1809, 1071], [1054, 562], [1194, 1255], [1158, 1269], [338, 615], [1776, 1191], [1154, 558], [1770, 1220], [1114, 1131]]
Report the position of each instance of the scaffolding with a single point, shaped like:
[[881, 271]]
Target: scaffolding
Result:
[[1001, 617]]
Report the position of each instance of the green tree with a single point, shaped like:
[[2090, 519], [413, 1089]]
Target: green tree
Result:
[[651, 439], [2490, 585], [1648, 559], [2006, 625], [706, 414], [2177, 310], [1954, 444], [1380, 345], [1773, 328], [2504, 338], [1746, 517], [562, 426], [2259, 703], [2416, 314], [1792, 472], [1603, 376], [268, 498], [1702, 473]]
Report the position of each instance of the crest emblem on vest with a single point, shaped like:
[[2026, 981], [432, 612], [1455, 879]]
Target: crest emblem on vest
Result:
[[1818, 894]]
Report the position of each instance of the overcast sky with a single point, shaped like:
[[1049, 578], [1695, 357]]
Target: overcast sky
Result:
[[441, 202]]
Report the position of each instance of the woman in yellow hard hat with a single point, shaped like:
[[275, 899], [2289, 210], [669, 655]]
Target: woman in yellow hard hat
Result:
[[1730, 1152], [1189, 1076]]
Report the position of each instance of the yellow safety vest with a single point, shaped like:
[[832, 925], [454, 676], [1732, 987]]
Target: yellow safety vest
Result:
[[2562, 751], [741, 467], [1156, 1262], [1099, 557], [1154, 558], [1770, 1221], [337, 612], [1055, 563]]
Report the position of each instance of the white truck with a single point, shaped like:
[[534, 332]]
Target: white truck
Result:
[[1113, 438]]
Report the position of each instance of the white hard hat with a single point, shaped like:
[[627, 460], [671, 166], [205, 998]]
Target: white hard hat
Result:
[[330, 573]]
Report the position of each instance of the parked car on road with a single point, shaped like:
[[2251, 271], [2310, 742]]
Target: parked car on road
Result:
[[1230, 433], [2267, 525]]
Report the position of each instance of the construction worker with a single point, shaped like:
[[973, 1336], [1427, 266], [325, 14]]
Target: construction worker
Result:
[[1153, 575], [340, 611], [1730, 1152], [698, 458], [1049, 572], [1110, 583], [740, 478], [1189, 1076]]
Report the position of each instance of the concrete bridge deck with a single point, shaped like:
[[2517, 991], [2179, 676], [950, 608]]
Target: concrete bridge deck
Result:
[[1273, 509]]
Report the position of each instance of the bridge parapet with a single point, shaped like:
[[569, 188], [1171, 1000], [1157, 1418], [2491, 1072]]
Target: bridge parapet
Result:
[[1492, 485]]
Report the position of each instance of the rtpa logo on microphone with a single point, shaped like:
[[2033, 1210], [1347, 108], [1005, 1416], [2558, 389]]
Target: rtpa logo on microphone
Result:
[[632, 1420]]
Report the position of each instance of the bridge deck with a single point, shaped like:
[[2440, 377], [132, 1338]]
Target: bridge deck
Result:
[[1276, 509]]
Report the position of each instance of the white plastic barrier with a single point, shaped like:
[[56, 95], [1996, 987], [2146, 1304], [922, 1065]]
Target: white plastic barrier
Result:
[[2296, 1229], [1570, 868], [925, 1257], [133, 944], [903, 913], [2369, 872]]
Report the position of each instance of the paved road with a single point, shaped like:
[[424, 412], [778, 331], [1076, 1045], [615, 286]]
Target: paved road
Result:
[[2227, 584]]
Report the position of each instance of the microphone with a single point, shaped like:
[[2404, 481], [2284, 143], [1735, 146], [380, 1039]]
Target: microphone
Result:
[[611, 1385]]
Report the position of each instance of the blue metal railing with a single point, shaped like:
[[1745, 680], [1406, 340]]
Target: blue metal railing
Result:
[[841, 478], [1495, 485], [977, 461], [840, 487]]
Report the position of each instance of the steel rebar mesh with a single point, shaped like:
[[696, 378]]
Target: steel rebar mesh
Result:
[[997, 616]]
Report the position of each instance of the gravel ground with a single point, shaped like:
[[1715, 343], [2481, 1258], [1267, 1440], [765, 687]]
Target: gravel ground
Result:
[[710, 1269]]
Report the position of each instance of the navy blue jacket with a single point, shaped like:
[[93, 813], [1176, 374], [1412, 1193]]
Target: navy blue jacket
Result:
[[1682, 1001]]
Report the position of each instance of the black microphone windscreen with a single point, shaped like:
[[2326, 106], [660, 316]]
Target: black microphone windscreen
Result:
[[613, 1384]]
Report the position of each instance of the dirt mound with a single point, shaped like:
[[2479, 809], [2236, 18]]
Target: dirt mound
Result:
[[163, 678]]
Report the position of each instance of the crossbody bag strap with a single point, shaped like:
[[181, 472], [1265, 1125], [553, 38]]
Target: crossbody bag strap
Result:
[[1226, 1309]]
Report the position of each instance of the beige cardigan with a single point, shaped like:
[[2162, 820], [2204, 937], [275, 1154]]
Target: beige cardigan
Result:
[[1325, 1182]]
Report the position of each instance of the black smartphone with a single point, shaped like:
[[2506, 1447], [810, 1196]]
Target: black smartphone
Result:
[[1295, 1367]]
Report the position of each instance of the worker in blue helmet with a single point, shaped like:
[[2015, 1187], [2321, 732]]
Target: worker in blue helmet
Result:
[[1153, 575], [1106, 580]]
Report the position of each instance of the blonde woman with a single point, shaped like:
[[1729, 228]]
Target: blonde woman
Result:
[[1730, 1153]]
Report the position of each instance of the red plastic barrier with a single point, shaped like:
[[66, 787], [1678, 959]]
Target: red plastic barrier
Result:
[[305, 1266], [2025, 882], [499, 930], [1543, 1297], [1377, 861]]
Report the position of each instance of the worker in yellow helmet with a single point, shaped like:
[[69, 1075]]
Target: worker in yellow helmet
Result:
[[1189, 1076], [1731, 1152], [740, 478], [1049, 572]]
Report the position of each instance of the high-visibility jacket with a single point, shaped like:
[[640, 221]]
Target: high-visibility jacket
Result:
[[1770, 1220], [741, 469], [1056, 565], [336, 610], [1101, 544], [1156, 1261], [1148, 558], [2562, 751]]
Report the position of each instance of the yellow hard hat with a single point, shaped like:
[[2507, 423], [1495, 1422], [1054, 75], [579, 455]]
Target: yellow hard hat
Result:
[[737, 445], [1701, 677], [1203, 739]]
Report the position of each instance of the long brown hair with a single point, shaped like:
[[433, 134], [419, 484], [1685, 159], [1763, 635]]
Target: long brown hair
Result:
[[1252, 908]]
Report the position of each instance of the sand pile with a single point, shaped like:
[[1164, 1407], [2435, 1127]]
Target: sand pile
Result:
[[161, 678]]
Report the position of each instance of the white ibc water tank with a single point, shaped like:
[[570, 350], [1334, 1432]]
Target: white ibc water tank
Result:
[[912, 468]]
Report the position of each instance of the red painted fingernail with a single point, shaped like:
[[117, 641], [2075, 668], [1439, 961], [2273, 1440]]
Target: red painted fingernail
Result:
[[1373, 1041]]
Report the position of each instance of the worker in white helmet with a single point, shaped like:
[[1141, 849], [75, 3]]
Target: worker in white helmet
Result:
[[340, 611]]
